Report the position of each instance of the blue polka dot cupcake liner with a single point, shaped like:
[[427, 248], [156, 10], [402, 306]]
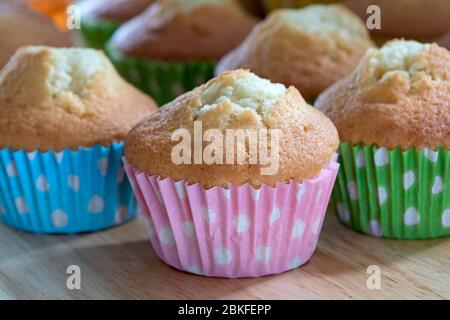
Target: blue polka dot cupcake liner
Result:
[[163, 81], [65, 192], [394, 193]]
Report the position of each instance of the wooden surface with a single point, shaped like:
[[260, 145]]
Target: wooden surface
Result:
[[120, 263]]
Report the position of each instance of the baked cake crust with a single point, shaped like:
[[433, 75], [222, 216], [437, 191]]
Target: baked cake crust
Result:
[[307, 57], [65, 98], [308, 139], [170, 32], [398, 96]]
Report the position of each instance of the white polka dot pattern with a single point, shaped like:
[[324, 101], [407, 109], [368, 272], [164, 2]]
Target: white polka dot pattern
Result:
[[275, 215], [412, 217], [222, 256], [382, 195], [59, 219], [96, 204], [438, 185], [263, 254], [381, 157], [408, 179], [242, 222], [42, 184], [21, 205], [446, 219], [402, 190], [165, 235]]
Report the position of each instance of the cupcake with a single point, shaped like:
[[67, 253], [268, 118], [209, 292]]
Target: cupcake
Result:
[[393, 118], [19, 26], [410, 19], [173, 46], [309, 48], [99, 18], [223, 209], [63, 116]]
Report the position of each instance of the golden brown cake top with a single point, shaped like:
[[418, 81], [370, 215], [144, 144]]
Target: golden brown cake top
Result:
[[185, 30], [115, 10], [56, 98], [236, 100], [310, 48], [398, 96], [19, 26]]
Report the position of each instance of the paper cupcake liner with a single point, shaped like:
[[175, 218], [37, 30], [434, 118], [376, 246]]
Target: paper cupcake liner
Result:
[[394, 193], [65, 192], [163, 81], [95, 33], [234, 232], [271, 5]]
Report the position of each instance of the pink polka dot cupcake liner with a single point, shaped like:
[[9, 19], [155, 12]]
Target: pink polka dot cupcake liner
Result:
[[237, 231], [394, 193], [71, 191]]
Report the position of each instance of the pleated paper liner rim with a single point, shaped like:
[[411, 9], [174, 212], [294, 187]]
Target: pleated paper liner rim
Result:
[[65, 192], [233, 232], [114, 144], [394, 193], [163, 81], [97, 32]]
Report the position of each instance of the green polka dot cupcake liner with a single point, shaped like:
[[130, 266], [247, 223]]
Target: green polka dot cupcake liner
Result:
[[394, 193], [95, 33], [163, 81], [67, 192]]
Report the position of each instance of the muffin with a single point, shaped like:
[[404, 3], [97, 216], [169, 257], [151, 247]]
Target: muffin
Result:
[[19, 26], [172, 47], [99, 18], [410, 19], [393, 118], [63, 116], [235, 214], [309, 48]]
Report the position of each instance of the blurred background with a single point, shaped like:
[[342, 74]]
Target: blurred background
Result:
[[43, 22]]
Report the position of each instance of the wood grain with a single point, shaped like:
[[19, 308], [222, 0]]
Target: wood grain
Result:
[[120, 264]]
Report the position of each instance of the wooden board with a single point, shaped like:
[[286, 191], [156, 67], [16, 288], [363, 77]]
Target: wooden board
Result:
[[120, 263]]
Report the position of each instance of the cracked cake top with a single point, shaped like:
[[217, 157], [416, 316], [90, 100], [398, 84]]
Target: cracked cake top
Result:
[[236, 100], [56, 98], [398, 96]]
